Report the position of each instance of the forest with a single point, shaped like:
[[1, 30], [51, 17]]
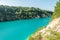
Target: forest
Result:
[[8, 13]]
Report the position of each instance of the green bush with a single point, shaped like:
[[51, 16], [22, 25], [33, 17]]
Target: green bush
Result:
[[54, 36], [31, 38]]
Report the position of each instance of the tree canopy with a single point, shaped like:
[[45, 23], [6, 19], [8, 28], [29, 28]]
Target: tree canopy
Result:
[[56, 13], [15, 13]]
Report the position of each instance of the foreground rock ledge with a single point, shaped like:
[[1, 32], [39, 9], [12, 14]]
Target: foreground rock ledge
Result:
[[52, 27]]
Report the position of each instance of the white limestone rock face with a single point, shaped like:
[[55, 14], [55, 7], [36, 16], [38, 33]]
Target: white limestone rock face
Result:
[[54, 25]]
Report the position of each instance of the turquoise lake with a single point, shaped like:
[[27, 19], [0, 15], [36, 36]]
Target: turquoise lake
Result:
[[21, 29]]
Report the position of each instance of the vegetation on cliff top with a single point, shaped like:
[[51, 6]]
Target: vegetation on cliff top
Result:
[[56, 13], [15, 13]]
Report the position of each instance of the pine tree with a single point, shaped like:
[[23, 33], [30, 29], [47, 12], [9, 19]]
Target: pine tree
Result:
[[56, 13]]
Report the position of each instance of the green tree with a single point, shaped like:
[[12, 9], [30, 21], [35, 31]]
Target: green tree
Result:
[[56, 14]]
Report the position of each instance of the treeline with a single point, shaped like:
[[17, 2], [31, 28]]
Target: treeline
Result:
[[15, 13]]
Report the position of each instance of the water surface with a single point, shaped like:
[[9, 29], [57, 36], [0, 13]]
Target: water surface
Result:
[[20, 29]]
